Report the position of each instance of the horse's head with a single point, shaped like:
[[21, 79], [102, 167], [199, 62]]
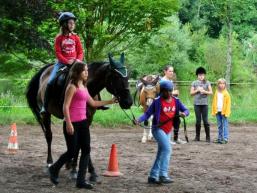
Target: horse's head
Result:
[[117, 82], [149, 90]]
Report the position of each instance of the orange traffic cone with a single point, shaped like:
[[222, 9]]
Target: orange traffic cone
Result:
[[113, 168], [13, 143]]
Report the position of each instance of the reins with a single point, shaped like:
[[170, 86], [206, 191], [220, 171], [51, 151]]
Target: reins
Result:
[[162, 123], [153, 126]]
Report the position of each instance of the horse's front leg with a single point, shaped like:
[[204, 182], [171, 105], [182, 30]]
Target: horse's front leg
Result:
[[48, 136], [144, 138]]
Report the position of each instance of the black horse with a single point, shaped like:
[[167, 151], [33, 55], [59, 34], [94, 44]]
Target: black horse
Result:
[[111, 75]]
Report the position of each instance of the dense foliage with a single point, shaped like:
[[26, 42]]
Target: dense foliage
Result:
[[185, 34]]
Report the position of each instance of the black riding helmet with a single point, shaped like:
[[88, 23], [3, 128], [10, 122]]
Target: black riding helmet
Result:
[[65, 16], [200, 70]]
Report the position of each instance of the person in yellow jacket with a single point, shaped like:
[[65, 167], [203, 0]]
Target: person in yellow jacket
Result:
[[221, 105]]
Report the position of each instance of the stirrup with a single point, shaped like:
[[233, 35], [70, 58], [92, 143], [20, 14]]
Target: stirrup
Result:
[[43, 110]]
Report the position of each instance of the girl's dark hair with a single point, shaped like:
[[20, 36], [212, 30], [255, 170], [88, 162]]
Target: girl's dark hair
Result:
[[75, 72], [200, 70], [167, 67]]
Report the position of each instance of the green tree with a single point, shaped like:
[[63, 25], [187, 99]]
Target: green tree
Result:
[[223, 16], [102, 24], [19, 22], [105, 24], [170, 45]]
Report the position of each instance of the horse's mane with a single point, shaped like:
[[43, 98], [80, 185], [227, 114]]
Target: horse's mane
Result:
[[96, 65]]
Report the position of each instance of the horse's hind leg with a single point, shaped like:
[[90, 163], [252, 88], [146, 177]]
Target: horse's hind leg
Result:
[[48, 136], [150, 135]]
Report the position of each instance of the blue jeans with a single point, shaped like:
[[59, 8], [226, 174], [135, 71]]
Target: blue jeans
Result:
[[162, 161], [57, 66], [222, 122]]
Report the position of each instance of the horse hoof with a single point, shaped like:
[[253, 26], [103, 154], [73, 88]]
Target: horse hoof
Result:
[[143, 140], [45, 169], [73, 175]]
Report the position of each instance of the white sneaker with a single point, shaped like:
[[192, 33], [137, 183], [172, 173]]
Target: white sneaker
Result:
[[172, 142], [180, 141]]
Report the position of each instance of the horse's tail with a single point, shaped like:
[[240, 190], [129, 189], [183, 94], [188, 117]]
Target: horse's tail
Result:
[[32, 92]]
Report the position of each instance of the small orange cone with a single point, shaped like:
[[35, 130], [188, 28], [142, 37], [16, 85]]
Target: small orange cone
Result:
[[13, 142], [113, 168]]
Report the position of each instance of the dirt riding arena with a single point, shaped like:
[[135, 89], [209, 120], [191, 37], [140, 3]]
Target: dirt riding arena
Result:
[[196, 167]]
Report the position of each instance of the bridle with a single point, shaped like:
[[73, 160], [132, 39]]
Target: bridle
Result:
[[115, 93]]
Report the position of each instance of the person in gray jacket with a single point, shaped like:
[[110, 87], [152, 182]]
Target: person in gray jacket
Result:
[[200, 89]]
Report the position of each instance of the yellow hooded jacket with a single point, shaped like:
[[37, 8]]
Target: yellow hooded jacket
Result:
[[226, 104]]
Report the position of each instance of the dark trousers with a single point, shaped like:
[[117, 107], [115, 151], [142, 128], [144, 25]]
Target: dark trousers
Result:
[[201, 112], [79, 140]]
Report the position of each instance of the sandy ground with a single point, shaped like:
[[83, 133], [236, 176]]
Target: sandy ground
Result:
[[195, 167]]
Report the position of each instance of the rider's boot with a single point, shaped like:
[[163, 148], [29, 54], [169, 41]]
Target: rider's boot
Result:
[[43, 110]]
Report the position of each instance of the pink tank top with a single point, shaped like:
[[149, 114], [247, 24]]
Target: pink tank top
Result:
[[78, 105]]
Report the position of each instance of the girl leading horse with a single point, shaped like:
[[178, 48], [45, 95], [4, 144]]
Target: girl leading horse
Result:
[[111, 75]]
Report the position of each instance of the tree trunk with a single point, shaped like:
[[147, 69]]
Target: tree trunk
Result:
[[89, 47], [229, 51]]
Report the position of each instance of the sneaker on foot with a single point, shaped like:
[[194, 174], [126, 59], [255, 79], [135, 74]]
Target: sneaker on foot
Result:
[[224, 141], [53, 174], [166, 180], [152, 180], [84, 185], [180, 141], [172, 142], [217, 141]]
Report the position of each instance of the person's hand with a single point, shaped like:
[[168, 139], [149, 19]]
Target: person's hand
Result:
[[181, 114], [200, 89], [175, 92], [203, 92], [69, 129], [114, 100], [135, 122]]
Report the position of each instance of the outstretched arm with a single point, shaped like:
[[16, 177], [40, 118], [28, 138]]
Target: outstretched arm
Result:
[[148, 113], [95, 103]]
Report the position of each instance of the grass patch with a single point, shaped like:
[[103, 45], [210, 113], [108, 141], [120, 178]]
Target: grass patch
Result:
[[244, 109]]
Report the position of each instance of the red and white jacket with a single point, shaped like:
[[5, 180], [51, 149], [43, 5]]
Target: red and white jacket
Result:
[[68, 47]]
